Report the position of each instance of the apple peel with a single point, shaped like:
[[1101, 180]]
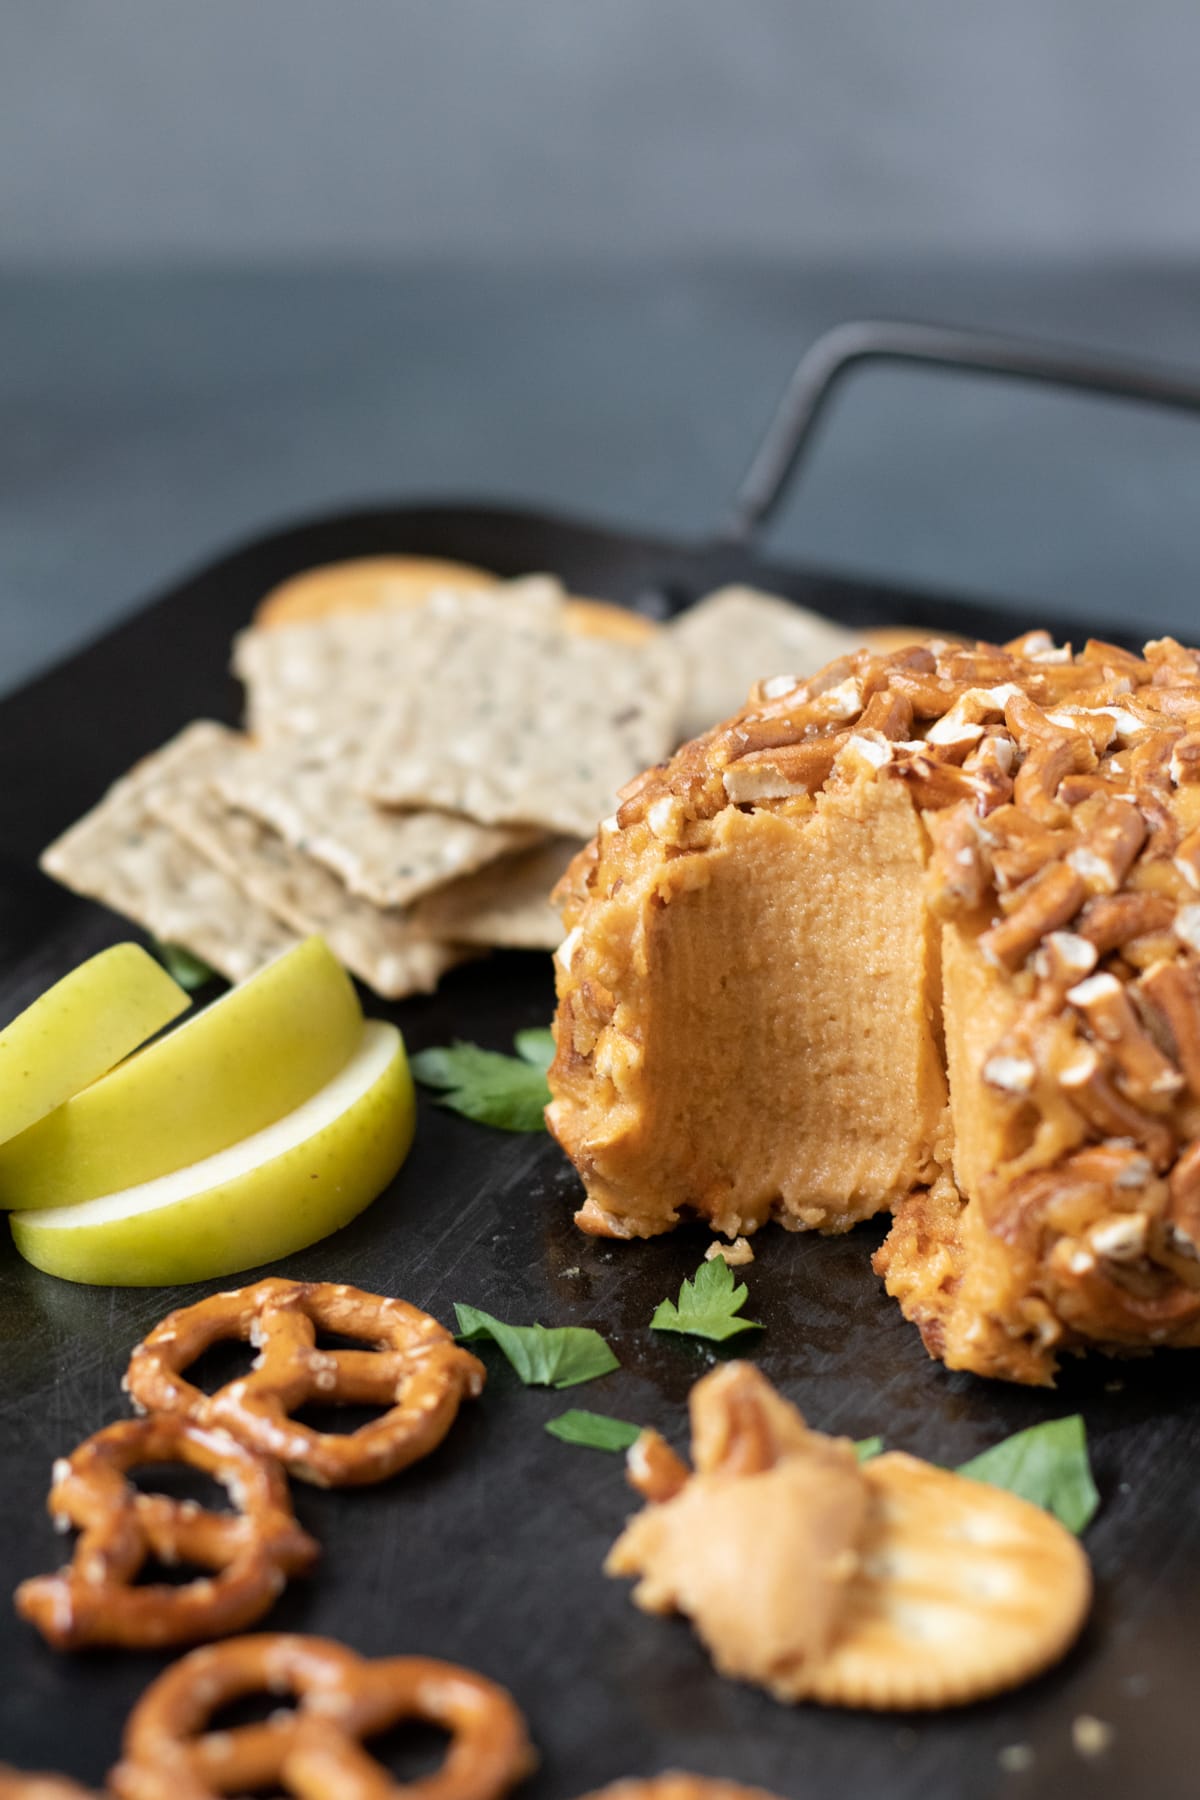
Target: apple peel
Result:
[[228, 1071], [81, 1028], [285, 1187]]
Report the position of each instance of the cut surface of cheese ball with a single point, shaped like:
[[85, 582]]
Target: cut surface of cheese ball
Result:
[[81, 1028], [922, 932], [287, 1186], [226, 1072]]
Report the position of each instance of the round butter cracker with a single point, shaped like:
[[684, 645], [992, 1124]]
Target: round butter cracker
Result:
[[362, 584], [962, 1591], [365, 583]]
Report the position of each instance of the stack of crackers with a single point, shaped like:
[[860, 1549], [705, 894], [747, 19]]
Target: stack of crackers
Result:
[[425, 749]]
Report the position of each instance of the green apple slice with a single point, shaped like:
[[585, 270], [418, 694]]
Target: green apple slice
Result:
[[81, 1028], [288, 1185], [228, 1071]]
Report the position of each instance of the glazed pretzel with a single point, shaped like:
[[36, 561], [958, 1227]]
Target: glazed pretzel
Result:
[[315, 1750], [416, 1370], [251, 1552]]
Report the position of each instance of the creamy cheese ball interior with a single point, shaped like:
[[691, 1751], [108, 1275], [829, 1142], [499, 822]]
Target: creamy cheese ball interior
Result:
[[921, 933]]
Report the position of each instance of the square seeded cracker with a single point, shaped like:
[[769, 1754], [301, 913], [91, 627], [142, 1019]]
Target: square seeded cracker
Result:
[[123, 856], [383, 948], [324, 678], [737, 636], [301, 789], [505, 905], [522, 722]]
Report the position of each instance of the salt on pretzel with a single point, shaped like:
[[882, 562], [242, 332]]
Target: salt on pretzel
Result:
[[415, 1370], [315, 1750], [251, 1553]]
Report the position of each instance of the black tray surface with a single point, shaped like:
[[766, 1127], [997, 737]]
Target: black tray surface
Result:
[[489, 1552]]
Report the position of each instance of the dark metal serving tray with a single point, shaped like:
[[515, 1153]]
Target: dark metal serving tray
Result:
[[489, 1552]]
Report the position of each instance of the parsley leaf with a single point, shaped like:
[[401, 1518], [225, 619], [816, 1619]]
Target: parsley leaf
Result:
[[866, 1448], [509, 1092], [1047, 1464], [707, 1305], [536, 1046], [595, 1431], [191, 972], [543, 1357]]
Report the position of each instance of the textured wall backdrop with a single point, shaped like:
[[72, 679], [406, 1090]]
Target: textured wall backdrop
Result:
[[797, 127]]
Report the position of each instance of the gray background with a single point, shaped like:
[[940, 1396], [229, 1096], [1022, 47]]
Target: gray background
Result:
[[264, 257]]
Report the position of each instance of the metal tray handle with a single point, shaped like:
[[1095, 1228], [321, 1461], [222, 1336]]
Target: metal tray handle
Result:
[[836, 352]]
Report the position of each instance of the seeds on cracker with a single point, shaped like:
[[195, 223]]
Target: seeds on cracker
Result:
[[326, 676], [229, 847], [523, 723], [737, 636], [123, 856], [506, 904], [888, 1585], [302, 791], [383, 947]]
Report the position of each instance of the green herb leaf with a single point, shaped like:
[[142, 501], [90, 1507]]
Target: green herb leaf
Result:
[[595, 1431], [543, 1357], [1047, 1464], [536, 1046], [707, 1305], [509, 1092], [188, 970], [866, 1448]]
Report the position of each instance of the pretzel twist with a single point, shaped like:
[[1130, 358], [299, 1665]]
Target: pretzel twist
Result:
[[17, 1785], [315, 1750], [674, 1784], [250, 1553], [415, 1370]]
